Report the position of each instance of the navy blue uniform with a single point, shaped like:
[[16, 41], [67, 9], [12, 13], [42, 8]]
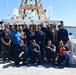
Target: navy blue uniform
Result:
[[40, 39], [63, 35], [39, 36], [30, 37], [11, 32], [33, 54], [49, 36], [18, 50], [49, 54], [0, 41], [43, 29]]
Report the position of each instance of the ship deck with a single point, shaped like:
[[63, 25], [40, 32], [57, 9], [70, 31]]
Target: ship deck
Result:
[[34, 69]]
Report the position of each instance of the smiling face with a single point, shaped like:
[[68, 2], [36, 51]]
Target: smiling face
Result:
[[51, 27], [17, 29], [6, 30], [49, 43], [61, 43], [20, 28], [33, 42], [12, 27], [21, 42], [39, 29]]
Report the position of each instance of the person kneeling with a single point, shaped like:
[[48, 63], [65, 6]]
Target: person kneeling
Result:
[[34, 51], [20, 53], [63, 54], [50, 52]]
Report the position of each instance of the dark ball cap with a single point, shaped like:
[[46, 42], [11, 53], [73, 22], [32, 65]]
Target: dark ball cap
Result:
[[61, 22]]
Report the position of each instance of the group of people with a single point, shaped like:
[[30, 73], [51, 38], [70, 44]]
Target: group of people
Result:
[[42, 44]]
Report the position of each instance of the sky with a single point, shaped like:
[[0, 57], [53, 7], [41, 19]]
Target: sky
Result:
[[61, 9]]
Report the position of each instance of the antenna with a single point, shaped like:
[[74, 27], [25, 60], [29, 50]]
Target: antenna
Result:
[[7, 8], [49, 8]]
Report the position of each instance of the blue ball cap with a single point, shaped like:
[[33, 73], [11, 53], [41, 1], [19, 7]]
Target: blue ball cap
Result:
[[70, 33]]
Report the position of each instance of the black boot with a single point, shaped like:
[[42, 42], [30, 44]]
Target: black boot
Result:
[[67, 63], [39, 63], [53, 61]]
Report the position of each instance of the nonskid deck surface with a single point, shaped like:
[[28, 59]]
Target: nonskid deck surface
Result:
[[34, 69]]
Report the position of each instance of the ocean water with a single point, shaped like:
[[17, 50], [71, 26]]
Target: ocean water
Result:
[[72, 30]]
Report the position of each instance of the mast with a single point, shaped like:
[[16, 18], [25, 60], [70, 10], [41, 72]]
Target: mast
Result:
[[7, 8], [31, 8]]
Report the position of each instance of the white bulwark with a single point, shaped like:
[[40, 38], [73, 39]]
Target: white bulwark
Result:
[[28, 22]]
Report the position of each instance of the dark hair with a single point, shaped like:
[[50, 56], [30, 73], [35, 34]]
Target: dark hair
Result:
[[58, 26], [5, 29], [33, 40], [21, 40], [49, 40], [61, 22]]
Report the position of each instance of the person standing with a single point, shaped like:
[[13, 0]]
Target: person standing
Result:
[[6, 45], [1, 31], [16, 36], [30, 37], [62, 34], [23, 34]]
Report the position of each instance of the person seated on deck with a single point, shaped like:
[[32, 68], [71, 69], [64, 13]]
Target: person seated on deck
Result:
[[50, 52], [63, 53], [34, 52], [20, 52]]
